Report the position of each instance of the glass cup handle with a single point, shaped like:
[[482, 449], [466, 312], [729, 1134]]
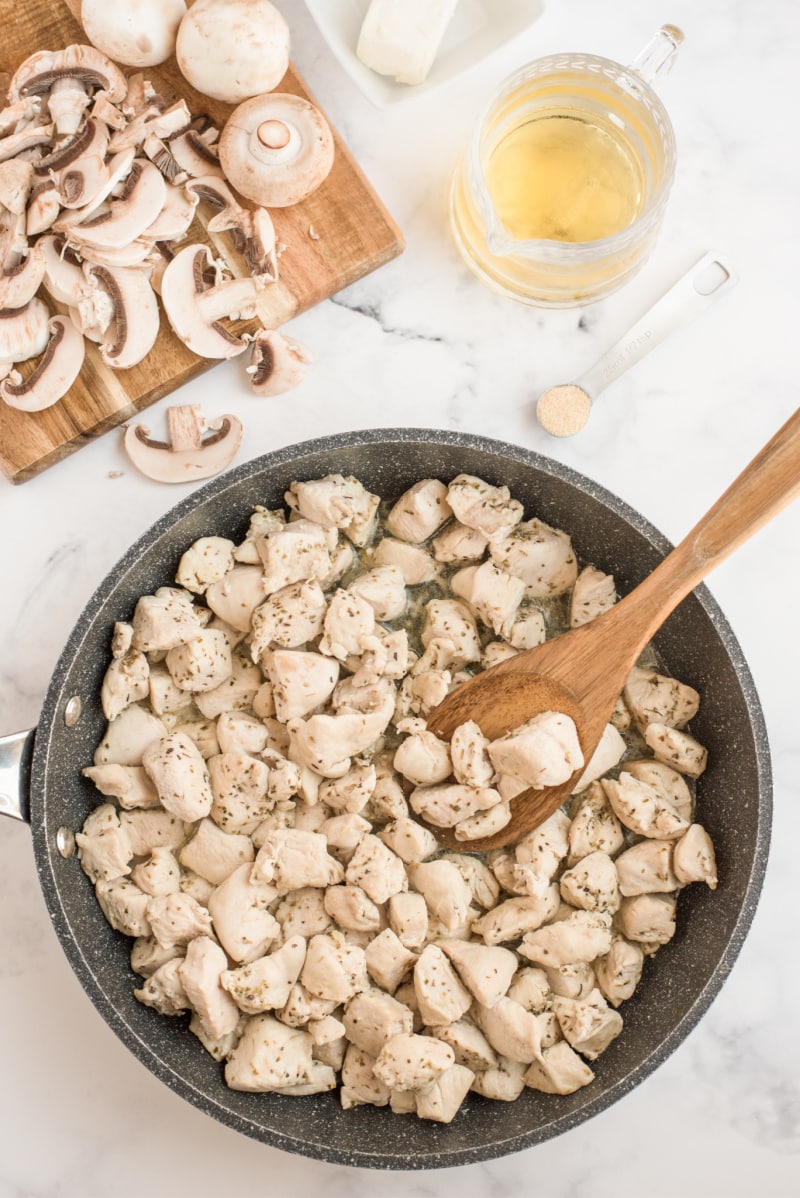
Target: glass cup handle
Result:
[[659, 54]]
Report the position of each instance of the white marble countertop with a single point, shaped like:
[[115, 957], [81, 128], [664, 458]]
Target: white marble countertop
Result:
[[421, 342]]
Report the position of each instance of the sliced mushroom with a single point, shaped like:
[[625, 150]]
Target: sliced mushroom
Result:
[[54, 374], [39, 72], [253, 231], [24, 334], [140, 202], [276, 149], [43, 207], [187, 455], [133, 328], [175, 217], [194, 155], [19, 283], [152, 122], [194, 309], [278, 363], [27, 139], [117, 169], [16, 177]]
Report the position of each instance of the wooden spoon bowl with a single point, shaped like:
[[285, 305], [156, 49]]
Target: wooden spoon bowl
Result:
[[583, 672]]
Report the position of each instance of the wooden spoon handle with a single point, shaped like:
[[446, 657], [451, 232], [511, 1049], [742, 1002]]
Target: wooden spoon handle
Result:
[[763, 488]]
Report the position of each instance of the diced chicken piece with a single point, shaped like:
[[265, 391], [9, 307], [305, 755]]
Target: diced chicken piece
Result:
[[384, 589], [302, 913], [477, 504], [457, 543], [208, 560], [482, 883], [469, 750], [326, 1030], [159, 874], [571, 981], [201, 664], [678, 749], [510, 1029], [470, 1046], [129, 736], [449, 803], [484, 823], [214, 854], [126, 681], [388, 961], [387, 801], [285, 779], [422, 692], [288, 619], [200, 973], [301, 682], [219, 1047], [125, 906], [360, 1086], [589, 1024], [296, 552], [104, 847], [242, 920], [546, 846], [495, 652], [235, 597], [348, 620], [516, 916], [414, 563], [541, 556], [238, 732], [544, 751], [666, 781], [409, 1062], [642, 809], [559, 1070], [694, 859], [618, 971], [408, 918], [528, 630], [147, 955], [290, 859], [165, 620], [264, 984], [531, 989], [419, 512], [239, 788], [610, 750], [352, 909], [647, 918], [582, 936], [152, 829], [594, 592], [504, 1082], [334, 969], [342, 558], [441, 996], [262, 522], [336, 502], [164, 990], [485, 971], [301, 1007], [128, 784], [646, 868], [451, 620], [373, 1019], [412, 842], [592, 883], [269, 1057], [654, 698], [423, 759], [344, 833], [447, 895], [594, 827], [178, 772], [122, 639], [165, 697], [494, 595], [350, 793], [321, 1078], [177, 919], [325, 743], [196, 887], [236, 693], [376, 869]]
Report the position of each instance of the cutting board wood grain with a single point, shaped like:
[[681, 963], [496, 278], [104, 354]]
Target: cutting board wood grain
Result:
[[330, 240]]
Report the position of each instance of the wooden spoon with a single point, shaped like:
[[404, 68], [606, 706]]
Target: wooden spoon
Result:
[[582, 673]]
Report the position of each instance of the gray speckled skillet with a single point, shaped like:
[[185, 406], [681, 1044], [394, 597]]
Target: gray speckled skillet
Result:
[[734, 803]]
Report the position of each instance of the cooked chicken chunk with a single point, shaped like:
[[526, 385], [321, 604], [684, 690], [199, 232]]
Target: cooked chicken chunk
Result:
[[127, 680], [618, 971], [388, 961], [540, 555], [582, 936], [666, 781], [571, 981], [678, 749], [333, 968], [350, 908], [384, 589], [457, 543], [128, 784], [301, 682], [469, 750], [451, 620], [269, 1057], [165, 620], [589, 1024], [647, 918], [360, 1086], [410, 1062], [214, 854], [412, 842], [201, 664], [592, 884], [159, 874], [646, 868], [104, 847], [493, 594], [336, 502], [449, 803], [528, 630], [510, 1029], [594, 827], [262, 522], [408, 918], [152, 829], [208, 560], [128, 737], [544, 751], [178, 772], [694, 859], [372, 1019], [239, 908], [236, 693], [653, 698], [200, 973], [177, 919], [485, 971], [470, 1046], [419, 512], [516, 916], [423, 759], [414, 563], [483, 823], [503, 1082], [147, 955], [325, 743], [376, 869], [441, 996], [531, 989], [164, 990], [125, 906], [238, 732], [479, 505], [235, 597], [239, 785], [288, 619], [610, 750], [447, 895], [290, 859], [350, 793], [348, 620], [302, 913], [296, 552], [594, 592], [559, 1070], [642, 809], [264, 984]]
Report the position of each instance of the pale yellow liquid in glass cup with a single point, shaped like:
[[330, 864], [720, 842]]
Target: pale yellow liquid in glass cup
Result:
[[563, 188]]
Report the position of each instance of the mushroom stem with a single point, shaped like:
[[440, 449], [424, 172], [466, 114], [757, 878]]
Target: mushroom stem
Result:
[[186, 426], [235, 298], [274, 135]]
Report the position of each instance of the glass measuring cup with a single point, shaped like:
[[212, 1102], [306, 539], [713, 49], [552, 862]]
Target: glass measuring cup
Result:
[[579, 94]]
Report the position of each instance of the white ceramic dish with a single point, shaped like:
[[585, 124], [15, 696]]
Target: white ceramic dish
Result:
[[478, 28]]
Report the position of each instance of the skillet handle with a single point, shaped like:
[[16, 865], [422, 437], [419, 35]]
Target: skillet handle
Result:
[[16, 752]]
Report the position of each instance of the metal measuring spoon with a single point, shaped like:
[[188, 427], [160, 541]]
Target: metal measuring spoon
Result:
[[563, 410]]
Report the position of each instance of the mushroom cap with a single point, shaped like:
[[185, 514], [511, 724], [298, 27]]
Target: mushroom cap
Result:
[[276, 149], [233, 49], [137, 33], [39, 72]]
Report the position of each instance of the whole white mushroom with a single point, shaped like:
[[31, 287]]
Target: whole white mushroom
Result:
[[233, 49], [136, 33]]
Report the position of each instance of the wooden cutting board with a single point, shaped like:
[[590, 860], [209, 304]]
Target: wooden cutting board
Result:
[[336, 236]]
